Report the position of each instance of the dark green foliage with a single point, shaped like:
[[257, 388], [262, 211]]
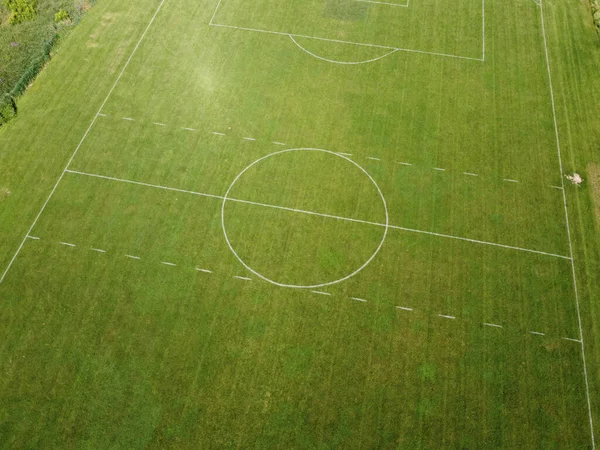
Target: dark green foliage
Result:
[[62, 16], [8, 108], [28, 37], [34, 68], [596, 13], [21, 10]]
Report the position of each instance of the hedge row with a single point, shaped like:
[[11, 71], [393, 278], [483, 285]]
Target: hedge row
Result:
[[8, 105]]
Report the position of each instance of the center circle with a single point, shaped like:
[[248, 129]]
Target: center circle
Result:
[[360, 196]]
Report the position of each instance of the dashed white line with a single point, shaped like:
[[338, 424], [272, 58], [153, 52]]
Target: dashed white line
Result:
[[557, 187], [446, 317], [248, 139], [511, 180], [571, 339], [344, 154], [439, 168], [320, 292], [404, 308], [495, 325], [132, 257], [403, 163], [102, 115], [538, 333], [35, 238], [160, 124], [128, 118], [203, 270], [217, 133], [471, 174], [188, 129], [166, 263], [67, 244], [373, 159], [278, 143], [242, 278], [358, 299], [99, 250]]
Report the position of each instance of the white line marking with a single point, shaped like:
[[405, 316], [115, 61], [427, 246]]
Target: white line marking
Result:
[[166, 263], [102, 115], [248, 139], [471, 174], [217, 133], [314, 286], [439, 168], [492, 325], [404, 308], [215, 13], [67, 244], [160, 124], [35, 238], [335, 61], [571, 339], [188, 129], [511, 180], [320, 292], [99, 250], [132, 257], [557, 187], [403, 163], [331, 216], [242, 278], [537, 332], [383, 3], [358, 299], [344, 154], [446, 317], [562, 178], [344, 42], [81, 142], [482, 30], [278, 143], [128, 118], [374, 159], [203, 270]]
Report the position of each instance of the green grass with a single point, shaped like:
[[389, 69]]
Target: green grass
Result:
[[105, 350]]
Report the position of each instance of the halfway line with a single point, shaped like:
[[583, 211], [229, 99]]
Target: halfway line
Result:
[[313, 213]]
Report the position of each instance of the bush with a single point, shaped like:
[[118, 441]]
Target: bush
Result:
[[20, 10], [8, 108], [62, 16]]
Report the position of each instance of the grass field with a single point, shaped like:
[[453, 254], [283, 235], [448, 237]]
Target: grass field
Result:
[[319, 224]]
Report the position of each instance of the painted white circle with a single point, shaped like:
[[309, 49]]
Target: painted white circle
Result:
[[312, 286]]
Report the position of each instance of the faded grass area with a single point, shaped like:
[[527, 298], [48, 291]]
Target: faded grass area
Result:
[[4, 194], [594, 179]]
